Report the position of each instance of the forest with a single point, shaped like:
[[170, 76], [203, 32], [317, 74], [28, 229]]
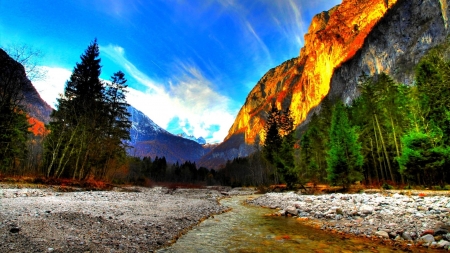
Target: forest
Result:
[[392, 134]]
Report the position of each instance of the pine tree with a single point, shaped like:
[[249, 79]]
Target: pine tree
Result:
[[279, 145], [273, 139], [90, 124], [344, 155]]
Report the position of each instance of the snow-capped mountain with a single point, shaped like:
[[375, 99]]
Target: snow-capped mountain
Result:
[[149, 139], [199, 140]]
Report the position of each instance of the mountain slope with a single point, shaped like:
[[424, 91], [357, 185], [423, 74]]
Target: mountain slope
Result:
[[148, 139], [38, 110], [395, 45], [356, 36]]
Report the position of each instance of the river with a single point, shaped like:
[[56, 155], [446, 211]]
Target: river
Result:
[[246, 229]]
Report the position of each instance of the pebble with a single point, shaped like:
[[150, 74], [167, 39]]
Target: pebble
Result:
[[103, 221]]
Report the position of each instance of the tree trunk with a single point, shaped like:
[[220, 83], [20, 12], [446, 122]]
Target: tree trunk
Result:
[[384, 149]]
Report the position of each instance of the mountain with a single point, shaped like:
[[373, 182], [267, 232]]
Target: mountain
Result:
[[148, 139], [356, 36], [199, 140], [38, 110]]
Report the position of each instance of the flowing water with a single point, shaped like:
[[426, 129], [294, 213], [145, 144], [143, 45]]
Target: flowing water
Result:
[[246, 229]]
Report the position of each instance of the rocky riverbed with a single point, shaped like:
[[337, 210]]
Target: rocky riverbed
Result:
[[135, 220], [395, 217]]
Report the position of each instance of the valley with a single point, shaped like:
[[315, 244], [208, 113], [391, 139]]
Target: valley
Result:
[[344, 147]]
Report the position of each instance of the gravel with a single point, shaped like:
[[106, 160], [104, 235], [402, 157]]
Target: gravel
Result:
[[136, 220], [403, 218]]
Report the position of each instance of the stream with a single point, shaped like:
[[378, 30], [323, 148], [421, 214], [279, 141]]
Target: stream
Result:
[[246, 229]]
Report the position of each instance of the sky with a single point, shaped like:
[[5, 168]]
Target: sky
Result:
[[190, 64]]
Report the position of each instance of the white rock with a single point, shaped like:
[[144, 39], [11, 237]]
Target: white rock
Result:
[[383, 234], [292, 210], [443, 244], [426, 239], [365, 209]]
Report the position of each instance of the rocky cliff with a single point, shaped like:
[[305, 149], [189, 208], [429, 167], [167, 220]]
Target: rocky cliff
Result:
[[395, 45], [356, 36]]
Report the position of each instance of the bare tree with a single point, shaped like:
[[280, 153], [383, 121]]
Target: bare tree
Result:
[[29, 57]]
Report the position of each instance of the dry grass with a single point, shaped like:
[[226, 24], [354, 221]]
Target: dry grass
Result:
[[64, 185]]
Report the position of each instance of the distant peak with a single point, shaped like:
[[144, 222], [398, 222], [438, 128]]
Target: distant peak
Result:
[[199, 140]]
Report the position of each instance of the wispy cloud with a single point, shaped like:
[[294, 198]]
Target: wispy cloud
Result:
[[187, 97], [258, 39]]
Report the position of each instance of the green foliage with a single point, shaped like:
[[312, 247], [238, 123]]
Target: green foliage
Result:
[[433, 93], [344, 155], [279, 145], [273, 137], [314, 145], [387, 186], [422, 161]]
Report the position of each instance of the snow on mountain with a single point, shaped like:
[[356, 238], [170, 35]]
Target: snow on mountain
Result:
[[199, 140]]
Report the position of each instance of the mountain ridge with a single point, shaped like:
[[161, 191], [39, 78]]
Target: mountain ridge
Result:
[[289, 87]]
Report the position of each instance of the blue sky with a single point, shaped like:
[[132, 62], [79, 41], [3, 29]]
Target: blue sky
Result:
[[189, 64]]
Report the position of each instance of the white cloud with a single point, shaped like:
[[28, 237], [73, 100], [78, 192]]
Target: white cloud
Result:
[[53, 84], [189, 97]]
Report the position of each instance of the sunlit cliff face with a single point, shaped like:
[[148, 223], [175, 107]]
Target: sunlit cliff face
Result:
[[301, 83]]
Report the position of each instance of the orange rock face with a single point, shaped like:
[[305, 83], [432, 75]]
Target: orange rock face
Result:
[[301, 83]]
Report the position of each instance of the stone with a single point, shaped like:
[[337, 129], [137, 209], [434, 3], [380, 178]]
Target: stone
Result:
[[427, 232], [365, 209], [398, 238], [407, 236], [303, 214], [383, 234], [50, 249], [426, 239], [291, 210], [443, 244]]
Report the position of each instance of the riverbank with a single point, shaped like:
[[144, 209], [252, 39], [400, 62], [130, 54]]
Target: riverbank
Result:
[[397, 218], [132, 219]]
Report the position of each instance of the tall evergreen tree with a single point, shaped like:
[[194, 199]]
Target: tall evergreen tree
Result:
[[344, 155], [279, 145], [273, 139], [90, 123]]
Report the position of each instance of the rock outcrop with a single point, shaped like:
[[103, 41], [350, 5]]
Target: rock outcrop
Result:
[[395, 45], [354, 37], [301, 83]]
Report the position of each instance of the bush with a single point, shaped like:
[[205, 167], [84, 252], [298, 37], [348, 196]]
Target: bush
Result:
[[387, 186]]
